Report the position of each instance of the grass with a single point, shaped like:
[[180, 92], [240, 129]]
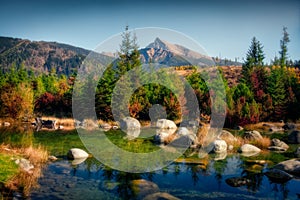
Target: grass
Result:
[[137, 145], [263, 143], [8, 168], [58, 142], [13, 177]]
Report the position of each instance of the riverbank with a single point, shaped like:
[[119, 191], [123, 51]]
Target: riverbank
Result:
[[20, 168]]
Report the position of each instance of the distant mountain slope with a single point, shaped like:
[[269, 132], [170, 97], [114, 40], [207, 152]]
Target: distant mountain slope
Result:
[[41, 57], [169, 54]]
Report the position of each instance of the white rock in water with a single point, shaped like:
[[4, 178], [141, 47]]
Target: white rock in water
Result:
[[129, 123], [75, 153], [219, 146], [165, 124]]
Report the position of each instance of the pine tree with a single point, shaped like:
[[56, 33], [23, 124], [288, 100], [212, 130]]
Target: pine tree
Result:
[[283, 46], [276, 89], [254, 58], [109, 96]]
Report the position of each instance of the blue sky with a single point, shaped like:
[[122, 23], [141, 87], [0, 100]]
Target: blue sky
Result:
[[222, 27]]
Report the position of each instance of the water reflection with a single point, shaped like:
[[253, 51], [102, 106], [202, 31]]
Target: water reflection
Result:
[[89, 179]]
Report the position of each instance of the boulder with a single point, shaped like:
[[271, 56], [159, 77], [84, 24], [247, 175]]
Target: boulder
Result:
[[297, 152], [289, 126], [25, 165], [52, 158], [275, 129], [78, 161], [132, 133], [294, 137], [142, 188], [162, 135], [219, 146], [183, 131], [277, 149], [89, 124], [278, 176], [165, 124], [252, 135], [279, 143], [290, 166], [105, 126], [238, 181], [249, 148], [190, 124], [238, 128], [220, 156], [227, 136], [129, 123], [76, 153], [160, 196], [6, 124]]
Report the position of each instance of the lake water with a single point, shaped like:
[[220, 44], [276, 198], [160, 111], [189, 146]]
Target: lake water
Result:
[[92, 180]]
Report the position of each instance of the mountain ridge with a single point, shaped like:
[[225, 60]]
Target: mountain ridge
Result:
[[44, 57]]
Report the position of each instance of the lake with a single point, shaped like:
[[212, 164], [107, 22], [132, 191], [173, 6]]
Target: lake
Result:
[[210, 179]]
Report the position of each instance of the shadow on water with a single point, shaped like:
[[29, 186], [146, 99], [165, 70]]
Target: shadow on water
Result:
[[234, 177]]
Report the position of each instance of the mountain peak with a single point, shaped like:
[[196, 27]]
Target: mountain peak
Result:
[[158, 44]]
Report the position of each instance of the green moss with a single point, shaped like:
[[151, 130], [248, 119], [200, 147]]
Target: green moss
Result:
[[8, 168], [137, 145]]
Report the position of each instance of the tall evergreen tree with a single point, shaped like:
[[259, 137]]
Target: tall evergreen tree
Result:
[[277, 91], [283, 46], [254, 58], [114, 75]]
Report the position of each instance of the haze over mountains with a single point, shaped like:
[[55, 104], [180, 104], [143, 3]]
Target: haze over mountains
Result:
[[43, 57]]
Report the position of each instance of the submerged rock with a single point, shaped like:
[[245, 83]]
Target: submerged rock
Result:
[[237, 181], [290, 166], [160, 196], [78, 161], [76, 153], [220, 156], [278, 176], [141, 188]]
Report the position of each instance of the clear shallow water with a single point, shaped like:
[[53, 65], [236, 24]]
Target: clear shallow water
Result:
[[92, 180]]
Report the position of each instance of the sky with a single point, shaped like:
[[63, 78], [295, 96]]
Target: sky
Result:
[[224, 28]]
